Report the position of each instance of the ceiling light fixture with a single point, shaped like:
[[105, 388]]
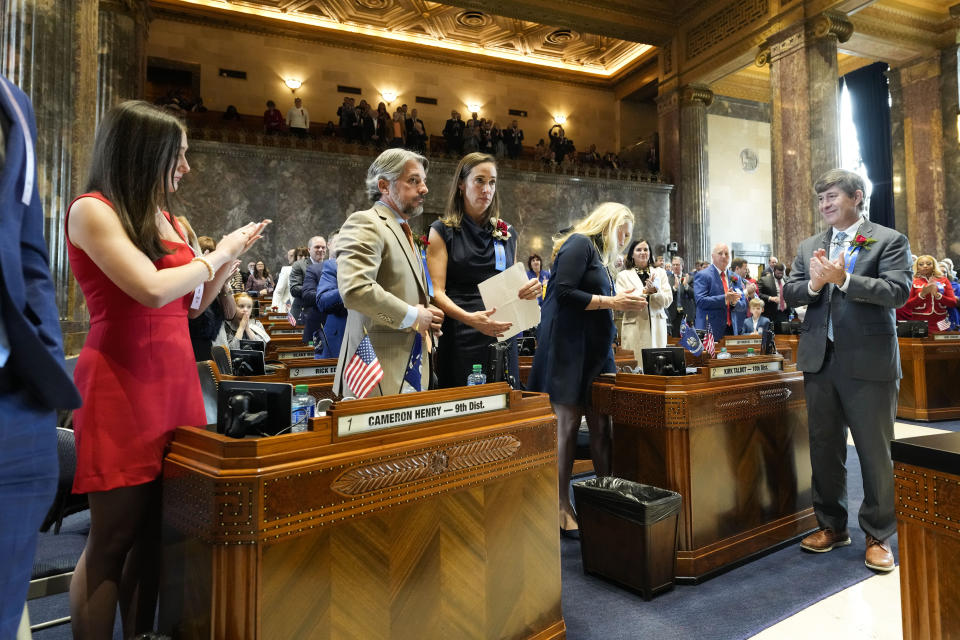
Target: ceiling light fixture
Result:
[[293, 84]]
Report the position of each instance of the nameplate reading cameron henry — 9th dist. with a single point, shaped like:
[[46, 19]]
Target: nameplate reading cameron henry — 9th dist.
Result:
[[362, 422]]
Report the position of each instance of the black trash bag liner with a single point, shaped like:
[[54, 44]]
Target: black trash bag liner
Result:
[[632, 501]]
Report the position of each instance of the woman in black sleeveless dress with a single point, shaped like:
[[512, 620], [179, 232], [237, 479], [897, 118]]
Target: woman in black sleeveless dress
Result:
[[468, 245]]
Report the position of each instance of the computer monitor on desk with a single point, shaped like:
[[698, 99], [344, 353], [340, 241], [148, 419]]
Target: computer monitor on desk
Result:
[[665, 361]]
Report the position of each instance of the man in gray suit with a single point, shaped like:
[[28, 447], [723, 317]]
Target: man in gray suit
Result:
[[851, 277]]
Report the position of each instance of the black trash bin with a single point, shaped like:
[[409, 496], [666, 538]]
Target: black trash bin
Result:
[[628, 533]]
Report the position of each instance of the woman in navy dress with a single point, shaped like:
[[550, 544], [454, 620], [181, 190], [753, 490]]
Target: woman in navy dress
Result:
[[535, 270], [468, 245], [574, 343]]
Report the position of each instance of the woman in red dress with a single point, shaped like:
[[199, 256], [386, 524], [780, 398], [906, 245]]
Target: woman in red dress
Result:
[[930, 296], [136, 372]]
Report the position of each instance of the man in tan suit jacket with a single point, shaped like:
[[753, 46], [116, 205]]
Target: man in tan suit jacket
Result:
[[381, 276]]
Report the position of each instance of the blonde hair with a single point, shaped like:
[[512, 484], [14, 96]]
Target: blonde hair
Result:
[[756, 302], [237, 297], [604, 222], [936, 265]]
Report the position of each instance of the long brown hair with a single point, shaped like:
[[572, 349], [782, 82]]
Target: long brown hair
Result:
[[453, 214], [134, 156]]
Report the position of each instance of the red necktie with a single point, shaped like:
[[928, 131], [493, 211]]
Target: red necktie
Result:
[[723, 279], [782, 304], [409, 234]]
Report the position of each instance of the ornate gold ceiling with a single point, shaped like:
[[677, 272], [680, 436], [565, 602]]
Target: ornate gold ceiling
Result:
[[443, 27]]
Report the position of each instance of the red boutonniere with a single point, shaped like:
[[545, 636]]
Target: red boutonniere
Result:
[[421, 242], [861, 242], [734, 278], [500, 231]]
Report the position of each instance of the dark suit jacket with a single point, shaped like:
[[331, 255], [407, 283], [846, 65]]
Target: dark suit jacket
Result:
[[683, 297], [864, 327], [763, 324], [711, 304], [766, 287], [27, 296], [332, 312], [297, 273], [310, 315]]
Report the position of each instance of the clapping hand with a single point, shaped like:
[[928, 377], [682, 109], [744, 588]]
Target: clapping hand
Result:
[[732, 296], [650, 288], [824, 271], [629, 301], [928, 289]]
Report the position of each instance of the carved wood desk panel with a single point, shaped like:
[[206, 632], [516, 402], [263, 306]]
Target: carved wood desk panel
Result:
[[926, 474], [931, 368], [735, 448], [445, 529]]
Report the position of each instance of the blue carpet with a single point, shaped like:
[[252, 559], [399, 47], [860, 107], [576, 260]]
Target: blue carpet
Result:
[[736, 604], [946, 425]]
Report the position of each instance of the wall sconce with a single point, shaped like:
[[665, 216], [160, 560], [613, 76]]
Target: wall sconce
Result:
[[560, 119], [293, 84], [474, 107], [388, 96]]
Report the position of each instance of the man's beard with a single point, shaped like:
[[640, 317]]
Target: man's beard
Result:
[[406, 208]]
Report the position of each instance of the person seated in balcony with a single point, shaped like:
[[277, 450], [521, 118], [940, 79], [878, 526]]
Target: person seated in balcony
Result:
[[272, 119]]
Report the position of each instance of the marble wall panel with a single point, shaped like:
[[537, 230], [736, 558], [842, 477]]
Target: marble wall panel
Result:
[[310, 192], [923, 140]]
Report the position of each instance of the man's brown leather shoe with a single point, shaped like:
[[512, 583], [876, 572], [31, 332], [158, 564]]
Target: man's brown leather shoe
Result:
[[825, 540], [879, 556]]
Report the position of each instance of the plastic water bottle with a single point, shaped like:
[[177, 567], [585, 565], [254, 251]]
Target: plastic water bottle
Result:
[[301, 409], [751, 352], [477, 377], [723, 355]]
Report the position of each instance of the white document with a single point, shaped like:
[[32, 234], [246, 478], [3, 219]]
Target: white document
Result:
[[500, 292]]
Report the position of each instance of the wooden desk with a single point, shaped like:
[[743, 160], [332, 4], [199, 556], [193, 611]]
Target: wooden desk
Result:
[[927, 491], [621, 357], [442, 529], [931, 369], [736, 449]]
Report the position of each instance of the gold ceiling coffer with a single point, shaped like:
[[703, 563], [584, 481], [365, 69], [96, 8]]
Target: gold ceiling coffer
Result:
[[831, 23], [696, 93]]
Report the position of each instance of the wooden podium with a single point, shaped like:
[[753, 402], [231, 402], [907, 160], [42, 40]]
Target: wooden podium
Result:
[[931, 368], [427, 515], [731, 441], [926, 474]]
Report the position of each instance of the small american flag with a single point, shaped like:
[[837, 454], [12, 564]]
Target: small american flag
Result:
[[364, 372], [944, 324], [708, 344], [291, 319]]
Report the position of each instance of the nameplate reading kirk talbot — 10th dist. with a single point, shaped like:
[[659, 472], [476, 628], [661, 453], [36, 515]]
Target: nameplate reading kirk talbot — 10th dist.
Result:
[[361, 422], [747, 368]]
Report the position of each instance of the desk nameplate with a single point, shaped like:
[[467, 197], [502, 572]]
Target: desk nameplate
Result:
[[946, 336], [745, 369], [286, 332], [277, 316], [403, 416], [312, 372], [740, 342], [292, 355]]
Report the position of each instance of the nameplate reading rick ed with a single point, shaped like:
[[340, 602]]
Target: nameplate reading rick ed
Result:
[[310, 372], [418, 414]]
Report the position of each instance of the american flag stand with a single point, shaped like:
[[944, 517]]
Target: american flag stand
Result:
[[363, 371]]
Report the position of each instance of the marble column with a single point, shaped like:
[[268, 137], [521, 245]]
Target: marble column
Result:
[[49, 49], [693, 187], [668, 128], [898, 155], [923, 150], [950, 111], [122, 68], [805, 122]]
